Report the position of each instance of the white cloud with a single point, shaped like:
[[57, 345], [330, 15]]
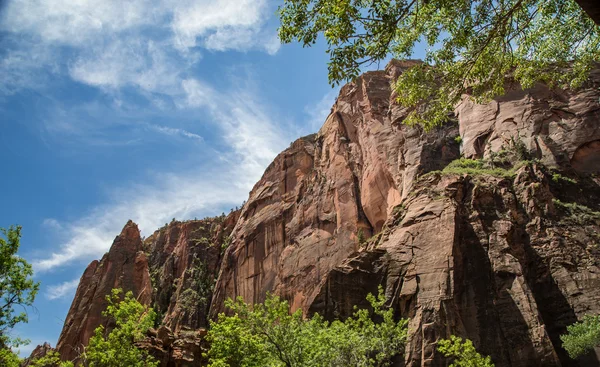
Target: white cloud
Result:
[[112, 44], [62, 290], [131, 62], [171, 131], [24, 65], [77, 22], [52, 224], [318, 112], [197, 93], [221, 24]]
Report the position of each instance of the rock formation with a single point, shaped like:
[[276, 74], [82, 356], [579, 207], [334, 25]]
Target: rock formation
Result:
[[173, 270], [506, 256], [124, 266]]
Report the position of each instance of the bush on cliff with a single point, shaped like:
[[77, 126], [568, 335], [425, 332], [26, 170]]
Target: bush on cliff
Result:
[[582, 336], [268, 335], [463, 353]]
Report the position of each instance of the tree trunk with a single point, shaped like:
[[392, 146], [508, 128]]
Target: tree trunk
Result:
[[592, 8]]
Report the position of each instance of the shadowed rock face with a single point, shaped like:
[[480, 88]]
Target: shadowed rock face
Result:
[[491, 259], [501, 261], [184, 262]]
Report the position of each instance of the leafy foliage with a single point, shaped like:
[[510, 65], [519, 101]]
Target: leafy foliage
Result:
[[117, 348], [8, 358], [50, 359], [17, 287], [464, 353], [473, 44], [577, 213], [476, 167], [582, 336], [268, 335]]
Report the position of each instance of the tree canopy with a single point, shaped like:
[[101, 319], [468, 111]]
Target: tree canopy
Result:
[[463, 353], [17, 290], [471, 45], [582, 336], [117, 347], [268, 335]]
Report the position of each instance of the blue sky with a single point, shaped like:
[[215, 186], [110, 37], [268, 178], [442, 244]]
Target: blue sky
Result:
[[142, 110]]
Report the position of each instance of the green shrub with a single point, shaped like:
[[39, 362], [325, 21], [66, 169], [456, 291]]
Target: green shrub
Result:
[[476, 167], [464, 353], [117, 347], [578, 213], [558, 178], [268, 335], [582, 336]]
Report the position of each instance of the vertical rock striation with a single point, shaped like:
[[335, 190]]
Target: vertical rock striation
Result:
[[506, 257], [124, 266]]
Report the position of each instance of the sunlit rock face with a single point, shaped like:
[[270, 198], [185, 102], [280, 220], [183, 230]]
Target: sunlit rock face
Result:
[[507, 262], [124, 266], [173, 270]]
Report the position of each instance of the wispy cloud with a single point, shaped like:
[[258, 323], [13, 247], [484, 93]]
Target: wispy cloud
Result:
[[149, 45], [252, 140], [318, 112], [62, 290], [171, 131]]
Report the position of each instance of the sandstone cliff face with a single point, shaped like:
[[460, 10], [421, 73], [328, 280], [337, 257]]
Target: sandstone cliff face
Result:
[[173, 271], [492, 259], [505, 260], [305, 214], [124, 266]]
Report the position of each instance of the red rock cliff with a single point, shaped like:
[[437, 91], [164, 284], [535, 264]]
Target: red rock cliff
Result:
[[502, 261], [124, 266], [506, 257]]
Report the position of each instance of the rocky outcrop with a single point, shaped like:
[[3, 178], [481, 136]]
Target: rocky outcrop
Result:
[[173, 270], [493, 259], [124, 266], [559, 127], [184, 260], [506, 256], [38, 352], [488, 258], [306, 213]]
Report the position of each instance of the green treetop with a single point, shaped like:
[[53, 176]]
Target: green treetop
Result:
[[473, 44], [463, 353], [117, 348], [268, 335], [582, 336], [17, 289]]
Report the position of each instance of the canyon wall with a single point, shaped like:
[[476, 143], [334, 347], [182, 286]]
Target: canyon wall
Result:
[[507, 256]]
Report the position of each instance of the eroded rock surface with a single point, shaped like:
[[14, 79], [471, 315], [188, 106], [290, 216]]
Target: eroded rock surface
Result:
[[124, 266], [491, 259], [173, 270], [305, 214], [507, 261]]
